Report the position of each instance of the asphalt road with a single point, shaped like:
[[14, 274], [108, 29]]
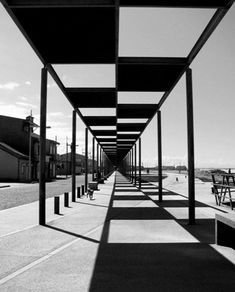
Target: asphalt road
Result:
[[20, 194]]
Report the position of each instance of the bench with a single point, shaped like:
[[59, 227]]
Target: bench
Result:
[[225, 229], [99, 179], [221, 191], [93, 185]]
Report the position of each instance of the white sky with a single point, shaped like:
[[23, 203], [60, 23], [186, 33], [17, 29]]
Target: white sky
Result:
[[141, 34]]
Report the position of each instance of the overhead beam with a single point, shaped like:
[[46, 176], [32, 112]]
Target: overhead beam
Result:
[[59, 3], [174, 3], [104, 132], [135, 111], [124, 3], [92, 97], [213, 23], [148, 74], [128, 136], [130, 127], [153, 60], [100, 140], [100, 120]]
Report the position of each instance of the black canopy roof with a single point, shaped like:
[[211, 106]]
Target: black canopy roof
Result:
[[87, 32]]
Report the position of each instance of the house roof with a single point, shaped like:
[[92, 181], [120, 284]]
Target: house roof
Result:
[[12, 151], [36, 136]]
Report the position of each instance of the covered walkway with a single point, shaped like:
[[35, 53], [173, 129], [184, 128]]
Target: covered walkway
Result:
[[123, 240]]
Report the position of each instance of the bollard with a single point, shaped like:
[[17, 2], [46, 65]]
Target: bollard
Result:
[[74, 197], [57, 205], [78, 192], [83, 190], [66, 199]]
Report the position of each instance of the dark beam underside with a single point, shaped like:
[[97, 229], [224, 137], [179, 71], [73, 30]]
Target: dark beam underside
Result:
[[135, 111], [85, 32], [106, 140], [131, 127], [59, 3], [148, 77], [144, 3], [70, 35], [125, 142], [176, 3], [127, 136], [104, 133], [92, 98], [100, 121]]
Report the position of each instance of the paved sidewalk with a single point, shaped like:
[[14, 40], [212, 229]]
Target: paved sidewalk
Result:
[[202, 190], [4, 185], [123, 240]]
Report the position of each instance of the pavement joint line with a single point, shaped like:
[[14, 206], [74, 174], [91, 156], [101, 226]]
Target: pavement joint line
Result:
[[44, 258], [19, 230], [34, 225]]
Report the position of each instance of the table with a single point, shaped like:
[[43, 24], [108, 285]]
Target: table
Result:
[[228, 178]]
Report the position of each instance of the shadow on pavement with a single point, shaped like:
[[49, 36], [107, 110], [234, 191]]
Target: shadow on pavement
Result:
[[158, 266]]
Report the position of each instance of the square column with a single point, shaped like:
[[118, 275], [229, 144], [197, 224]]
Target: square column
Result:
[[132, 165], [73, 157], [140, 163], [135, 163], [93, 159], [42, 157], [86, 159], [190, 130], [159, 130], [97, 160]]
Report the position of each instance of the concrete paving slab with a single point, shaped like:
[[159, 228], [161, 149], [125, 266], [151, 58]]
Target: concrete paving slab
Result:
[[88, 251], [125, 187], [168, 198], [24, 247], [120, 193], [150, 191], [23, 250], [60, 274], [135, 203], [26, 216], [148, 231]]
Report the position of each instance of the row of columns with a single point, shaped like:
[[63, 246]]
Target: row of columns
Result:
[[130, 163], [103, 161]]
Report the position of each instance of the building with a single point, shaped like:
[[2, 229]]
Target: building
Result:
[[65, 166], [19, 148], [14, 165]]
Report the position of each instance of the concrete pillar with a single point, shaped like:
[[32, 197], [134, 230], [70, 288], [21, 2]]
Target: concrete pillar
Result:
[[139, 162], [97, 158], [73, 157], [135, 162], [42, 156], [86, 158], [190, 130], [93, 159], [159, 126]]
